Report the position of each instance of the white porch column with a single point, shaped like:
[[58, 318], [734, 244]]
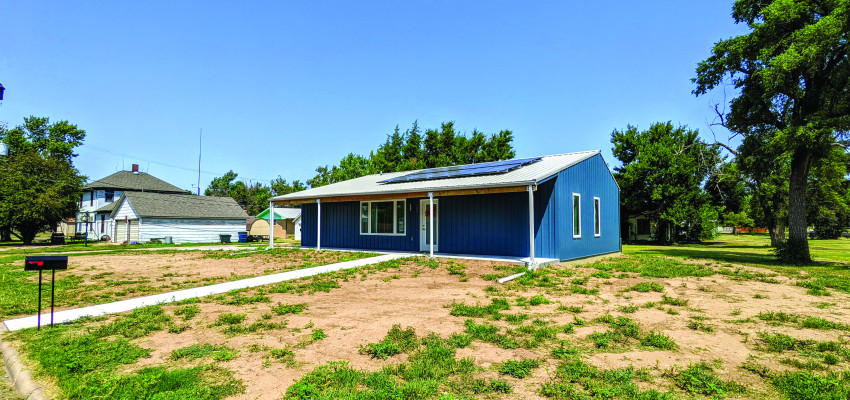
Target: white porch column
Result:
[[531, 262], [319, 224], [271, 225], [431, 221]]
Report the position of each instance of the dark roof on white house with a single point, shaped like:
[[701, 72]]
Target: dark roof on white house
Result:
[[181, 206], [525, 174], [142, 182]]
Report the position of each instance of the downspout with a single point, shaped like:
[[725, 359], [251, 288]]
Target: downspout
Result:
[[531, 263], [271, 225], [319, 225], [431, 221]]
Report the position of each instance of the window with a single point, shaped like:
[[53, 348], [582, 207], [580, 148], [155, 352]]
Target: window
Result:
[[91, 198], [597, 224], [110, 195], [576, 215], [382, 217]]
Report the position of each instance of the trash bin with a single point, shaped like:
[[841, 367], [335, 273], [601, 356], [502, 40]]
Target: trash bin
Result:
[[224, 238], [243, 237], [57, 238]]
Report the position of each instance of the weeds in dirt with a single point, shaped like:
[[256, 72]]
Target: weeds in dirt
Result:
[[518, 369], [700, 379], [658, 341], [238, 299], [85, 362], [431, 369], [699, 324], [478, 311], [673, 301], [645, 287], [397, 341], [629, 309], [187, 312], [283, 309], [575, 379], [195, 351], [229, 319]]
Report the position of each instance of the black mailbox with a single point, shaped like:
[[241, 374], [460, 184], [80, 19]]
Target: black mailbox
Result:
[[45, 263]]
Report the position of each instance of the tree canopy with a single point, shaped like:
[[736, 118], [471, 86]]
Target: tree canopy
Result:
[[39, 185], [661, 178], [409, 150], [792, 71]]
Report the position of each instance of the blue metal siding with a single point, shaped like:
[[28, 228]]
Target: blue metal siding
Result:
[[554, 212], [341, 228], [494, 224]]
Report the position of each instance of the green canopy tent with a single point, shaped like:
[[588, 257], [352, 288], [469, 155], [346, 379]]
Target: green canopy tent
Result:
[[287, 222]]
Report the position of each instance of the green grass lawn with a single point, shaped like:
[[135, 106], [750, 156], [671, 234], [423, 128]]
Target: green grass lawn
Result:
[[748, 249]]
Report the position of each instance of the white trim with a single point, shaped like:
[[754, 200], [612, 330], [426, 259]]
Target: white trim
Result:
[[597, 216], [424, 204], [318, 224], [531, 262], [369, 217], [573, 207]]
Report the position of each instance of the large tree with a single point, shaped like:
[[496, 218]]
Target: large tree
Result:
[[253, 197], [39, 185], [792, 71], [661, 178]]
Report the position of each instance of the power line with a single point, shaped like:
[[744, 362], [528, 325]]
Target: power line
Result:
[[118, 153]]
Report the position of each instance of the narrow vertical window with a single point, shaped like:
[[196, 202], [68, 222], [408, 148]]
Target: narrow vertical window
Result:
[[597, 224], [399, 216], [364, 217], [576, 215]]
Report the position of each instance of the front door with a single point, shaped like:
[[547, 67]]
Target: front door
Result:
[[425, 225]]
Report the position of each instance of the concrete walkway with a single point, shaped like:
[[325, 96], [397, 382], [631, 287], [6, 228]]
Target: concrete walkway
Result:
[[131, 304]]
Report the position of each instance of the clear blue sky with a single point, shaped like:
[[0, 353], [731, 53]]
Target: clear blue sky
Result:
[[281, 87]]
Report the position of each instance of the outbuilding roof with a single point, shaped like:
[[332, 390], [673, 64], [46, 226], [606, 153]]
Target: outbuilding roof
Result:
[[126, 180], [181, 206], [281, 213], [529, 174]]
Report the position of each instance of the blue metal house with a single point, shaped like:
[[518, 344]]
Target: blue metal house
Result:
[[562, 206]]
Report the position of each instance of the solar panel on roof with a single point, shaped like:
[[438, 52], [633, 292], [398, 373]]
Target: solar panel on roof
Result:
[[488, 168]]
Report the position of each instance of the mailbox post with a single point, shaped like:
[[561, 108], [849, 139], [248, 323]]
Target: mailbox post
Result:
[[44, 263]]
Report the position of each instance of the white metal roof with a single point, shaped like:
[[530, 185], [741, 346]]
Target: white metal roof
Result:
[[368, 185], [288, 213]]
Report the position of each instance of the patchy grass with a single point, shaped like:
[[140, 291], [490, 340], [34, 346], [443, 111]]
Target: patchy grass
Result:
[[518, 369], [283, 309], [86, 362], [397, 341], [431, 369], [645, 287]]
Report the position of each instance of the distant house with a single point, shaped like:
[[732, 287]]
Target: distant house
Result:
[[561, 207], [287, 221], [142, 216], [98, 200], [638, 228]]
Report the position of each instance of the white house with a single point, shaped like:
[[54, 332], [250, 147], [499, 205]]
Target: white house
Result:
[[98, 200], [142, 216]]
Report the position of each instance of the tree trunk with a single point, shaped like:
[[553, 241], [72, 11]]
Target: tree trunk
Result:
[[797, 226], [5, 234], [777, 233]]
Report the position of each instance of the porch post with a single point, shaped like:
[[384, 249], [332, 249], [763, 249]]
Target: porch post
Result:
[[431, 220], [271, 225], [319, 224], [531, 262]]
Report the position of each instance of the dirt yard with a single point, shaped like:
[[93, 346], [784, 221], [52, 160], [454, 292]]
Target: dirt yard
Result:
[[725, 316]]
